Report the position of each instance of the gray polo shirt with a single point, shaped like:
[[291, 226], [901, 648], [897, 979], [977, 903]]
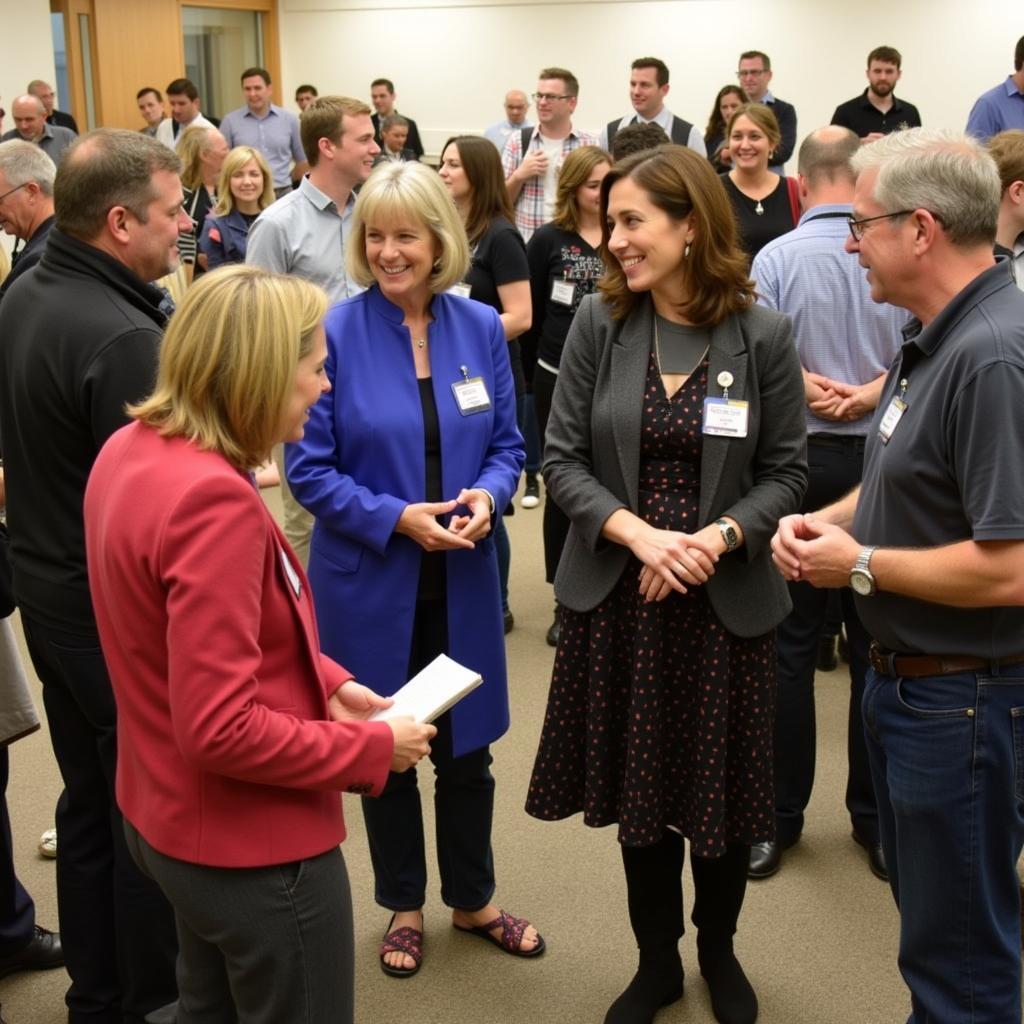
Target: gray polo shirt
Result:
[[951, 470], [275, 135], [303, 233], [52, 142]]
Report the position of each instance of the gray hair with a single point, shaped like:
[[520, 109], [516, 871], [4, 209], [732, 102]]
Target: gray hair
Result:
[[826, 153], [108, 167], [945, 172], [22, 162], [392, 121]]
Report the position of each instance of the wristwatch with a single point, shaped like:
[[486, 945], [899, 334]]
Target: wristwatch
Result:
[[862, 579], [729, 534]]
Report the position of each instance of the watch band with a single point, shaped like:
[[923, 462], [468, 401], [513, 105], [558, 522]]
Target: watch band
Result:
[[729, 534]]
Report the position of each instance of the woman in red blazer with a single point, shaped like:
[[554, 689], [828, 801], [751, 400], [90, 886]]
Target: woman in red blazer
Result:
[[236, 735]]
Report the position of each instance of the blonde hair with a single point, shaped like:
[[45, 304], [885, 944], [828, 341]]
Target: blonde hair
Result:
[[193, 143], [228, 361], [397, 190], [233, 163]]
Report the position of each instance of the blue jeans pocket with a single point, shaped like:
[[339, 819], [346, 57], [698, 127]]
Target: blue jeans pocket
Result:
[[938, 696]]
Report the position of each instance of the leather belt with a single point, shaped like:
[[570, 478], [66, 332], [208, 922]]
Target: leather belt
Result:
[[914, 666]]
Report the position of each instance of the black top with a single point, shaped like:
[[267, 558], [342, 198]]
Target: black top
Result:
[[714, 143], [758, 229], [412, 142], [198, 204], [862, 117], [28, 256], [947, 473], [785, 114], [62, 120], [431, 585], [557, 255], [80, 339]]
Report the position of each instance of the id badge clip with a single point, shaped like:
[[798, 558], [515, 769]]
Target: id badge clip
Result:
[[471, 394]]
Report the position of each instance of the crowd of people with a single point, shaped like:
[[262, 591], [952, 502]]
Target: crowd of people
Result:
[[749, 394]]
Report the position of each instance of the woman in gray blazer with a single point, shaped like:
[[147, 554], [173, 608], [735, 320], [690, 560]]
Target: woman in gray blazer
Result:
[[676, 442]]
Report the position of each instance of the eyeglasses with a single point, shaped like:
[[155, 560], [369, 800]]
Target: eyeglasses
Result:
[[549, 96], [749, 73], [857, 226], [10, 192]]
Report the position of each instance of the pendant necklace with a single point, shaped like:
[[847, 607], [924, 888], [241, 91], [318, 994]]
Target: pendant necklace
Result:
[[421, 342], [759, 209]]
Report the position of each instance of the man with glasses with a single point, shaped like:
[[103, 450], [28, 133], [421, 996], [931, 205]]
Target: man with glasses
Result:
[[533, 157], [932, 544], [26, 203], [755, 75], [517, 103], [846, 343], [648, 87]]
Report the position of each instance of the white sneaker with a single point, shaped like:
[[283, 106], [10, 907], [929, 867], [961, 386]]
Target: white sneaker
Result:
[[48, 844], [531, 493]]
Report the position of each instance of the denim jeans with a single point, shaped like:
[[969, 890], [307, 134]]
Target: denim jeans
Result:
[[947, 759]]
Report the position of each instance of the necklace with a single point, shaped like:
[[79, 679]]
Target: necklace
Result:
[[421, 342], [759, 209], [657, 353]]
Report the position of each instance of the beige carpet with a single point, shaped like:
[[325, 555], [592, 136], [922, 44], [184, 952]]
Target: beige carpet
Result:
[[818, 940]]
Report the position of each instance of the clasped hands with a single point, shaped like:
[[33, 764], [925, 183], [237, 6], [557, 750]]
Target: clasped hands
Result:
[[833, 400], [419, 521], [671, 559], [809, 549]]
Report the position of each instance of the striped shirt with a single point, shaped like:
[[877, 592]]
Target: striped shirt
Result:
[[839, 330]]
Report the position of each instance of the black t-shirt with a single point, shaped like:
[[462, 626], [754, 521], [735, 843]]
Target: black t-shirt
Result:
[[431, 585], [863, 118], [758, 229], [558, 258]]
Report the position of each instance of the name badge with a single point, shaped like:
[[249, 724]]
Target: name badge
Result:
[[462, 290], [471, 396], [289, 571], [563, 292], [893, 415], [725, 417]]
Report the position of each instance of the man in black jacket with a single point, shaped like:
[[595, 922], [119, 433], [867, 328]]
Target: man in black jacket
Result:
[[80, 338], [26, 203]]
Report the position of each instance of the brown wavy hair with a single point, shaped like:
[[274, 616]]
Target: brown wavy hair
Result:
[[482, 164], [681, 183]]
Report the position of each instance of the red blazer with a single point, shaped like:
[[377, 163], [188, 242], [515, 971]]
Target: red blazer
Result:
[[226, 754]]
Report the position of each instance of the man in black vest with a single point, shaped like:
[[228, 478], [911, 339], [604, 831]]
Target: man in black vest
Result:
[[648, 87]]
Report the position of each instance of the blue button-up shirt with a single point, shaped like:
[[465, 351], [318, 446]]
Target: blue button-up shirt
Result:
[[996, 110], [275, 135], [839, 330]]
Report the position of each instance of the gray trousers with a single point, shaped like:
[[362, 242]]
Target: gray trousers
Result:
[[266, 945]]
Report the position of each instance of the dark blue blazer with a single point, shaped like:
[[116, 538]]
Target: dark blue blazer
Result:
[[362, 460], [228, 241]]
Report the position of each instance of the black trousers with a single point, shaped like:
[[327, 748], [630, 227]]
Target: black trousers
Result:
[[835, 465], [117, 929], [655, 892], [556, 522], [17, 911]]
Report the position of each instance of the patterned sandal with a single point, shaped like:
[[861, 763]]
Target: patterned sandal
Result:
[[402, 940], [512, 931]]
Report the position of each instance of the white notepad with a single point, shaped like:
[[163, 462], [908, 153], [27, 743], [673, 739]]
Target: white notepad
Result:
[[430, 693]]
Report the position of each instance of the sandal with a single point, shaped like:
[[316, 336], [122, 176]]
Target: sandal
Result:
[[402, 940], [512, 931]]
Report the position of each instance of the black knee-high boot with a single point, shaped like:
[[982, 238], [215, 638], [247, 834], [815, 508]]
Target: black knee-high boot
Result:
[[719, 885], [655, 890]]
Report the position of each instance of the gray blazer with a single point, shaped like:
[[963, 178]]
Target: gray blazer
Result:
[[592, 454]]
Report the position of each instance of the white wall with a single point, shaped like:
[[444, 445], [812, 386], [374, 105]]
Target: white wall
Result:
[[453, 60], [26, 52]]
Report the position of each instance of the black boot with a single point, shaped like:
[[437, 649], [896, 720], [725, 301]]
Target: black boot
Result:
[[657, 982], [719, 886], [655, 891]]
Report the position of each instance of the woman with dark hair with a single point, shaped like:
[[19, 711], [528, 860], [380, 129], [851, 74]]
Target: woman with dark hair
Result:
[[564, 267], [766, 204], [676, 442], [729, 99], [498, 274]]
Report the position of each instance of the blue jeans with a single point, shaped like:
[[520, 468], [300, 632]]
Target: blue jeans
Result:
[[947, 760]]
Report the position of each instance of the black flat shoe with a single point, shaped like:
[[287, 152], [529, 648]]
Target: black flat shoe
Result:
[[42, 953], [876, 857], [733, 1000], [765, 860]]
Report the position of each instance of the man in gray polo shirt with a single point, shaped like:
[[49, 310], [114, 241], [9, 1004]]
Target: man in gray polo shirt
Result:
[[932, 543], [30, 125], [305, 232], [269, 128]]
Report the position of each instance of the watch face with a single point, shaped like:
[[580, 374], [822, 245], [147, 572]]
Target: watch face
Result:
[[862, 583]]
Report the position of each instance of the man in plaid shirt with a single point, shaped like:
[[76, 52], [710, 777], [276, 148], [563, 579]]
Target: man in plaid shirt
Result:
[[531, 178]]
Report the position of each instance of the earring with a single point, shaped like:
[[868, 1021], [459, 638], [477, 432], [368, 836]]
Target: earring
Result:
[[686, 251], [435, 267]]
